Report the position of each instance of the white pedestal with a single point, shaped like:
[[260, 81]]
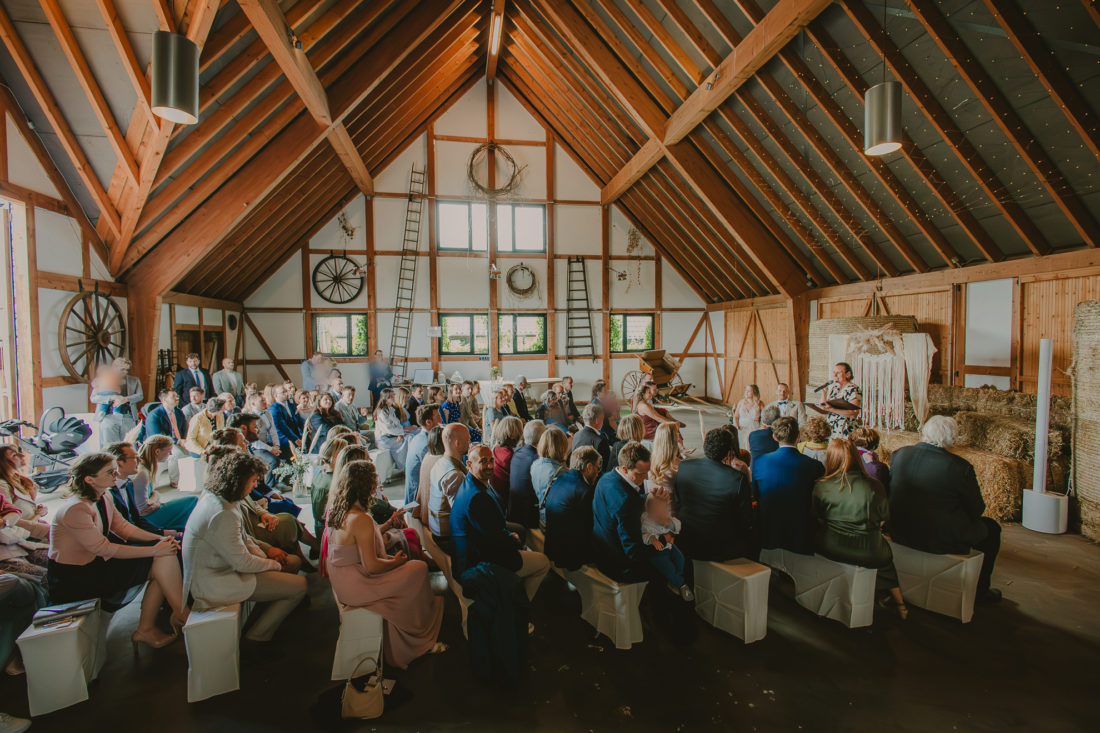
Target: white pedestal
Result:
[[733, 596], [944, 584], [842, 592], [62, 660], [1046, 512], [213, 650], [360, 638], [611, 608], [192, 474], [443, 560]]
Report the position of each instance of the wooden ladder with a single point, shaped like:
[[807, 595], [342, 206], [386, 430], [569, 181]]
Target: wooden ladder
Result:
[[406, 279], [578, 324]]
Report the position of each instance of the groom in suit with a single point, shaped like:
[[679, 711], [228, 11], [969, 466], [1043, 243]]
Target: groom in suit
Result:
[[784, 481]]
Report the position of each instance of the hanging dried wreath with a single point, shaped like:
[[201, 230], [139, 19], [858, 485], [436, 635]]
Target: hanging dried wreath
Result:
[[510, 186], [634, 250], [521, 281]]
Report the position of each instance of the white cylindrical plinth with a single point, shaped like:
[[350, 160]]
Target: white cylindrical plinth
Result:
[[1046, 512], [1042, 418]]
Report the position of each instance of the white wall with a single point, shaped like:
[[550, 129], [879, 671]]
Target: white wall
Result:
[[464, 284]]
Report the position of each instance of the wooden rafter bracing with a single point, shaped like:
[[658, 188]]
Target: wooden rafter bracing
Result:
[[496, 15], [130, 64]]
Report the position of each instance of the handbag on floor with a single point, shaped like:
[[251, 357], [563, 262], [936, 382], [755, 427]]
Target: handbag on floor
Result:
[[363, 697]]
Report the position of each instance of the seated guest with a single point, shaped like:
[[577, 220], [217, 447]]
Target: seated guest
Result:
[[437, 394], [451, 408], [651, 415], [335, 385], [784, 482], [605, 398], [714, 501], [479, 532], [389, 432], [349, 416], [19, 599], [866, 441], [665, 458], [519, 400], [550, 410], [740, 462], [164, 514], [86, 563], [17, 488], [935, 502], [470, 410], [266, 448], [617, 507], [851, 508], [762, 441], [553, 453], [659, 529], [497, 411], [630, 428], [572, 414], [322, 482], [788, 407], [815, 438], [447, 476], [507, 434], [568, 509], [401, 399], [523, 507], [427, 417], [248, 426], [229, 380], [196, 403], [288, 424], [203, 425], [364, 575], [230, 407], [592, 432], [26, 560], [416, 399], [324, 418], [222, 565], [424, 490]]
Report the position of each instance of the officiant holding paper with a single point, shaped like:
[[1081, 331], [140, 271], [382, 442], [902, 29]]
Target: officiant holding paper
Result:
[[843, 419]]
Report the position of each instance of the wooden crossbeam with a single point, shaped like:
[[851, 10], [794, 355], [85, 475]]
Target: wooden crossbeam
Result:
[[130, 64], [496, 15]]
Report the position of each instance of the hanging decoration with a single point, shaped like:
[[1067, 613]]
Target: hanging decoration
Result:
[[338, 279], [91, 331], [521, 281], [634, 251], [513, 177]]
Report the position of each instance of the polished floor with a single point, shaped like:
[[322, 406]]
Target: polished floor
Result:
[[1028, 663]]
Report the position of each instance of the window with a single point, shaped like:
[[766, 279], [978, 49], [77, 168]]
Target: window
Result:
[[520, 333], [343, 334], [521, 228], [463, 225], [464, 333], [631, 332]]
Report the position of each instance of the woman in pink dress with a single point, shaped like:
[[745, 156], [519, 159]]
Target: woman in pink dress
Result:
[[365, 576]]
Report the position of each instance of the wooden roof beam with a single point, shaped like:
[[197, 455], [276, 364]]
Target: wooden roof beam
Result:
[[134, 72], [271, 25], [495, 38]]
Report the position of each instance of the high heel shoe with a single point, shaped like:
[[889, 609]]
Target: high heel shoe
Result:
[[151, 641], [176, 624]]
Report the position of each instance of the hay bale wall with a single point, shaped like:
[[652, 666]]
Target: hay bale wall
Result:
[[945, 400], [820, 331], [1002, 480], [1086, 397]]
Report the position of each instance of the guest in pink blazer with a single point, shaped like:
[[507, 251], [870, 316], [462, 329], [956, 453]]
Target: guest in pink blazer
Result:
[[95, 553]]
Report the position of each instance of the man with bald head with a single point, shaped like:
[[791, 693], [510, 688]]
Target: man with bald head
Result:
[[447, 476], [478, 529]]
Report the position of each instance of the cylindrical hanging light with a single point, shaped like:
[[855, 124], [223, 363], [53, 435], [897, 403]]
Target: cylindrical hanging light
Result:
[[882, 118], [175, 88]]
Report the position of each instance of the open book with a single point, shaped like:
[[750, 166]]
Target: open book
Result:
[[835, 404]]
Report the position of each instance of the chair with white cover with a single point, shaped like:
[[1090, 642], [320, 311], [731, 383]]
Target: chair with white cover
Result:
[[192, 474], [213, 645], [944, 584], [443, 560], [733, 596], [610, 607], [360, 638], [842, 592], [62, 659]]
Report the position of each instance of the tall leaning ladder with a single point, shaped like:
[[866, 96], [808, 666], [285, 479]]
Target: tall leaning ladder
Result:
[[406, 279], [578, 324]]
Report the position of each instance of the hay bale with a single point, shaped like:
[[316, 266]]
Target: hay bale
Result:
[[1086, 398], [1011, 437], [820, 331], [947, 400], [1002, 480]]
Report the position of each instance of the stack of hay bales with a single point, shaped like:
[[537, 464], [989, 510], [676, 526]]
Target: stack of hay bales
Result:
[[1086, 428]]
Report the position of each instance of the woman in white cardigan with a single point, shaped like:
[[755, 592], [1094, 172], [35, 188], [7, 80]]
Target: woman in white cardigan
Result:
[[221, 564], [389, 432]]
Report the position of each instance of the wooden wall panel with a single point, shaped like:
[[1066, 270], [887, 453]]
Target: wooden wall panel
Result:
[[1047, 310], [757, 351]]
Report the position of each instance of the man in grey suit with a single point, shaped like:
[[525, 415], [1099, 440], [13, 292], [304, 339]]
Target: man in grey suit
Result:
[[122, 418], [229, 380]]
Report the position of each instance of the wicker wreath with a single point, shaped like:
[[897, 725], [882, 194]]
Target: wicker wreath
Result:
[[514, 273], [510, 186]]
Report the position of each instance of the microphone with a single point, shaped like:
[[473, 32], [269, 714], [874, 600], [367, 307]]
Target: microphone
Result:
[[822, 387]]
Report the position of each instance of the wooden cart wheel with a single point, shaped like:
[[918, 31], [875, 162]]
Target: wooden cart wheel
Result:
[[631, 382], [92, 331], [338, 279]]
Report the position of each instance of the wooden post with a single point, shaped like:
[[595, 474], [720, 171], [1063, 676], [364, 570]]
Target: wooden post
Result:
[[798, 363], [372, 290], [491, 181], [433, 250], [307, 300], [143, 309], [1017, 334], [551, 300], [658, 307], [605, 288], [28, 342]]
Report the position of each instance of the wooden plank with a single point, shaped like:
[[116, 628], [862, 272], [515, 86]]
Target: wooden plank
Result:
[[199, 301], [496, 15], [57, 281], [267, 349], [638, 166], [28, 344], [551, 264], [371, 275], [605, 290], [26, 196]]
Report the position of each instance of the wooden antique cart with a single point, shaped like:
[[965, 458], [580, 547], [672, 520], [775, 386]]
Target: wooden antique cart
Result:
[[664, 369]]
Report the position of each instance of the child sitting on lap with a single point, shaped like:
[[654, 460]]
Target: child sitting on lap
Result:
[[658, 529]]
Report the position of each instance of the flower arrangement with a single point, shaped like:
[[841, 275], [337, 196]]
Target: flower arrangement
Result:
[[494, 372], [292, 473]]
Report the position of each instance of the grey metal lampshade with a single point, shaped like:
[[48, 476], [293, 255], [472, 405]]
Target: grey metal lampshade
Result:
[[882, 118], [175, 88]]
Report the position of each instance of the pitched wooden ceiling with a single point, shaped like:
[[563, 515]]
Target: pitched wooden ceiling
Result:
[[729, 132]]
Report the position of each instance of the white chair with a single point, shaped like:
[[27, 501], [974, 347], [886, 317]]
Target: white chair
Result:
[[384, 465], [360, 638], [611, 608], [944, 584], [443, 560], [213, 645], [61, 660], [733, 596], [192, 474], [842, 592]]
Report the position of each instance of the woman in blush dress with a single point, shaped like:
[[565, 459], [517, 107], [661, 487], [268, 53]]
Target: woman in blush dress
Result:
[[746, 414]]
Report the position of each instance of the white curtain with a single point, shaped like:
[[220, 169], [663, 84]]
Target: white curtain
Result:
[[918, 365]]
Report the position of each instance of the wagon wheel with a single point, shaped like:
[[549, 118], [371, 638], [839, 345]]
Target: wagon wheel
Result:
[[91, 332], [338, 279], [631, 382], [671, 388]]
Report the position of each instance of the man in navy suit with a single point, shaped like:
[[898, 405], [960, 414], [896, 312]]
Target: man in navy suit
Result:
[[617, 507], [288, 423], [714, 502], [123, 491], [569, 510], [194, 376], [167, 418], [784, 482], [762, 441], [479, 532]]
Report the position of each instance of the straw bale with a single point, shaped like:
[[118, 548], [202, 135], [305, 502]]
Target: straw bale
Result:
[[1086, 397], [1002, 480], [1010, 437], [947, 400]]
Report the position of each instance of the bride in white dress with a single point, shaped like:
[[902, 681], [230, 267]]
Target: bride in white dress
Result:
[[746, 415]]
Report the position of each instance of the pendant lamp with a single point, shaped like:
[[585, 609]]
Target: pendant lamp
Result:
[[175, 88], [882, 118]]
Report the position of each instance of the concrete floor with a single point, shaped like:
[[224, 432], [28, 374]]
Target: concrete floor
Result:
[[1030, 662]]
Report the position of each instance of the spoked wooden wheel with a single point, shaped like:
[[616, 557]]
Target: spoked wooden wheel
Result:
[[630, 384], [338, 279], [92, 331]]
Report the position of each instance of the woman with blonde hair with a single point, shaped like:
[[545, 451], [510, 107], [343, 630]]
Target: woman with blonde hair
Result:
[[401, 401], [507, 434], [664, 458], [496, 412], [815, 434], [322, 480], [851, 508], [171, 514], [630, 428], [389, 432], [364, 575], [553, 450], [746, 414]]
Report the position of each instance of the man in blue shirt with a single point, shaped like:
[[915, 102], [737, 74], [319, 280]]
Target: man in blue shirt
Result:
[[427, 416]]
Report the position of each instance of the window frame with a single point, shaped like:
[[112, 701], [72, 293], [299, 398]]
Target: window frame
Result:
[[348, 316], [515, 351], [626, 316], [514, 206], [469, 225], [473, 334]]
